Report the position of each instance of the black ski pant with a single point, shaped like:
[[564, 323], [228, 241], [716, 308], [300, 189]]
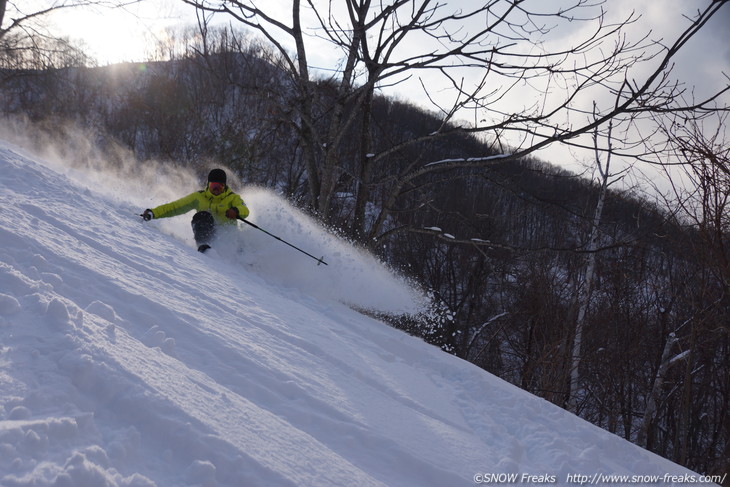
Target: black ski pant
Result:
[[203, 227]]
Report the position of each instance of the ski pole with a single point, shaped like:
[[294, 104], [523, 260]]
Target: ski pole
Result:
[[319, 261]]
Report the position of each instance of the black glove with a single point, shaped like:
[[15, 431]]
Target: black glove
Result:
[[232, 213], [147, 215]]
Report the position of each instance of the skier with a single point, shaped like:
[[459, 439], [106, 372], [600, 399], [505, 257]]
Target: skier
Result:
[[215, 205]]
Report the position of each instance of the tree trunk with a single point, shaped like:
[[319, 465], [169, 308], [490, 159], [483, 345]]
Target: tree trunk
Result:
[[362, 185], [584, 292], [656, 390]]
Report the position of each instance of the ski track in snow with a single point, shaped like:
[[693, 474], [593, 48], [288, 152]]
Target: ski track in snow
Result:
[[129, 359]]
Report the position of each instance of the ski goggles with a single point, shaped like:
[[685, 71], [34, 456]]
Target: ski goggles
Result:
[[216, 186]]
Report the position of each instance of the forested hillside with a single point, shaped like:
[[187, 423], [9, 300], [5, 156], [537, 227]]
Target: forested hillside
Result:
[[514, 252]]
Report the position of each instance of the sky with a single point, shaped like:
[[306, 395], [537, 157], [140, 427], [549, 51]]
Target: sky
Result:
[[126, 34], [129, 359]]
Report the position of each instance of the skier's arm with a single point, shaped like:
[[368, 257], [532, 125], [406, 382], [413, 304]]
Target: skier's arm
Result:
[[177, 207], [237, 203]]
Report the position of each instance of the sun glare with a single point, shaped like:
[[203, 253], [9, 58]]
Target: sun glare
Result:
[[114, 36], [112, 39]]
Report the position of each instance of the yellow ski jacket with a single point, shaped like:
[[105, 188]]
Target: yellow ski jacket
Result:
[[204, 200]]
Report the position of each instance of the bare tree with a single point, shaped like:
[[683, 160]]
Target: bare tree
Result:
[[483, 53], [27, 41], [700, 178], [700, 193], [585, 287]]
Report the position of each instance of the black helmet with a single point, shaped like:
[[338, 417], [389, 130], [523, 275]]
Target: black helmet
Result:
[[217, 176]]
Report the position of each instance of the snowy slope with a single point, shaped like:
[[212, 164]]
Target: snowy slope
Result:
[[129, 359]]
